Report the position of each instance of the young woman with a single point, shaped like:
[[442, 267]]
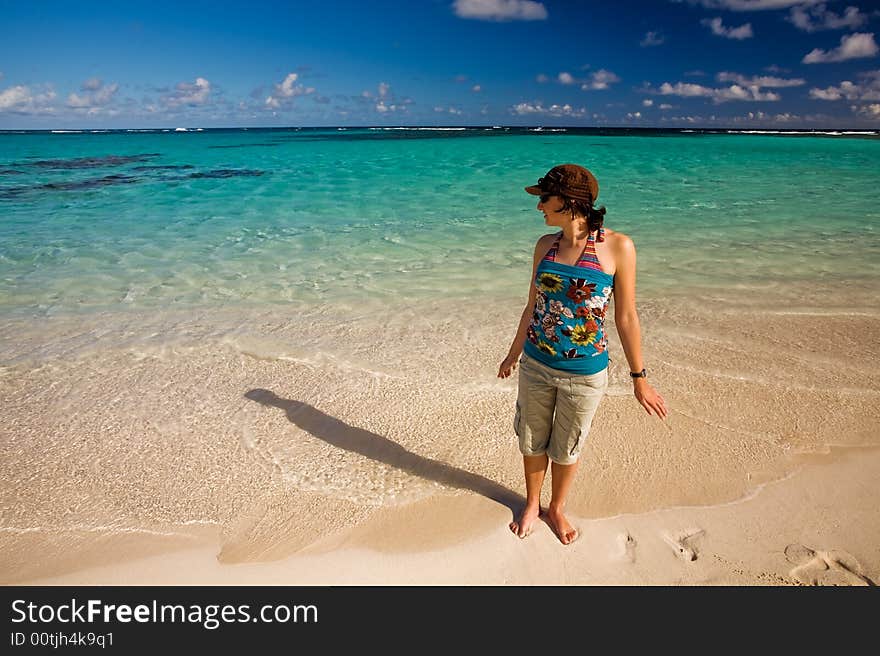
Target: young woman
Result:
[[560, 342]]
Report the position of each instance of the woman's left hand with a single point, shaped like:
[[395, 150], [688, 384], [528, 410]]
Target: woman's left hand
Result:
[[650, 398]]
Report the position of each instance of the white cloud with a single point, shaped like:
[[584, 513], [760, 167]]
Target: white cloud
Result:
[[685, 89], [500, 10], [476, 88], [835, 93], [733, 92], [647, 102], [14, 96], [717, 27], [286, 91], [767, 118], [652, 39], [736, 92], [386, 102], [634, 115], [852, 46], [759, 81], [525, 109], [817, 17], [871, 111], [683, 119], [867, 90], [21, 100], [599, 80], [665, 106], [751, 118], [449, 110], [189, 94], [101, 95]]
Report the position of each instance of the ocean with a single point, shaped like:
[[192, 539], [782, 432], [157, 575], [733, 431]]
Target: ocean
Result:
[[119, 220]]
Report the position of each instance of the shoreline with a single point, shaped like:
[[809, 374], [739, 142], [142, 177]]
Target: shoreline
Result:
[[762, 539]]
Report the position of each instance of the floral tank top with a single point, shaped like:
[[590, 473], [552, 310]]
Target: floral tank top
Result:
[[567, 330]]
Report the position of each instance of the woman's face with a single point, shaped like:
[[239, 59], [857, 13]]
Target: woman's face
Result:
[[550, 206]]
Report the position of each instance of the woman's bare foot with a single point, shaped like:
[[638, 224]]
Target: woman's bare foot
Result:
[[523, 525], [560, 525]]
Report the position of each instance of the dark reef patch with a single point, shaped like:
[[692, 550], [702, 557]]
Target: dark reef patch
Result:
[[91, 162]]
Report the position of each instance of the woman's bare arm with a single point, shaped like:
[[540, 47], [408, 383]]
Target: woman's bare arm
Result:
[[508, 365], [627, 320]]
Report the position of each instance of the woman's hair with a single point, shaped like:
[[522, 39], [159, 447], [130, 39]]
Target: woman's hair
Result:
[[595, 217]]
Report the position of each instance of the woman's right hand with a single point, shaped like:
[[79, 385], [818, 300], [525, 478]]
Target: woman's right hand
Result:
[[507, 366]]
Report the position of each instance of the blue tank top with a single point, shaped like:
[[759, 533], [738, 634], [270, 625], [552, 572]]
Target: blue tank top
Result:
[[567, 330]]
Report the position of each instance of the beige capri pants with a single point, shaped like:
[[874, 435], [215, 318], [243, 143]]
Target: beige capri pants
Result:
[[554, 409]]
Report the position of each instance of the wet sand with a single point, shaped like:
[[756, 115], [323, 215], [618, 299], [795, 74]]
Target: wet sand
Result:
[[360, 445]]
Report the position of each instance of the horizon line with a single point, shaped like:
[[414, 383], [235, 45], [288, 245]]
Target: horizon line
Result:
[[445, 127]]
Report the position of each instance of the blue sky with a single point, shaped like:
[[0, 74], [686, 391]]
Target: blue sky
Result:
[[658, 63]]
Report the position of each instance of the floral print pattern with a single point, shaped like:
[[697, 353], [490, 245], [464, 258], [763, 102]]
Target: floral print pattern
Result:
[[569, 316], [580, 289], [549, 282]]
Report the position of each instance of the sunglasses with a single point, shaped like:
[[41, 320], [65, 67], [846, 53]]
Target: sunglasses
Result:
[[545, 198]]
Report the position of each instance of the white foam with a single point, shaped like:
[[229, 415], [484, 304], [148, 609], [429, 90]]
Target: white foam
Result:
[[417, 128], [322, 359], [67, 131], [106, 529], [835, 133]]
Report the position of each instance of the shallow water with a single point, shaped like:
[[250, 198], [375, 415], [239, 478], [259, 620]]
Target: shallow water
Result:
[[116, 221]]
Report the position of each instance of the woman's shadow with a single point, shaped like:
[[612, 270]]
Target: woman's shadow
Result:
[[381, 449]]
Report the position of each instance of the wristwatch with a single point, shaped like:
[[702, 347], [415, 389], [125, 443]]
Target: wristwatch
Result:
[[641, 374]]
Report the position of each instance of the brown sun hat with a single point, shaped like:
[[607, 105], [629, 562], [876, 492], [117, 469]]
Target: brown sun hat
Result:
[[569, 180]]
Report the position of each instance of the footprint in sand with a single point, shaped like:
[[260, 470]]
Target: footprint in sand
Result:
[[626, 547], [684, 543], [815, 567]]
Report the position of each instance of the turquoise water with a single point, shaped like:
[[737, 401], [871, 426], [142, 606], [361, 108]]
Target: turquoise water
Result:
[[116, 220]]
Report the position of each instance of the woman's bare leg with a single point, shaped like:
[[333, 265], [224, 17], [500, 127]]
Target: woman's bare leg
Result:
[[562, 477], [535, 469]]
